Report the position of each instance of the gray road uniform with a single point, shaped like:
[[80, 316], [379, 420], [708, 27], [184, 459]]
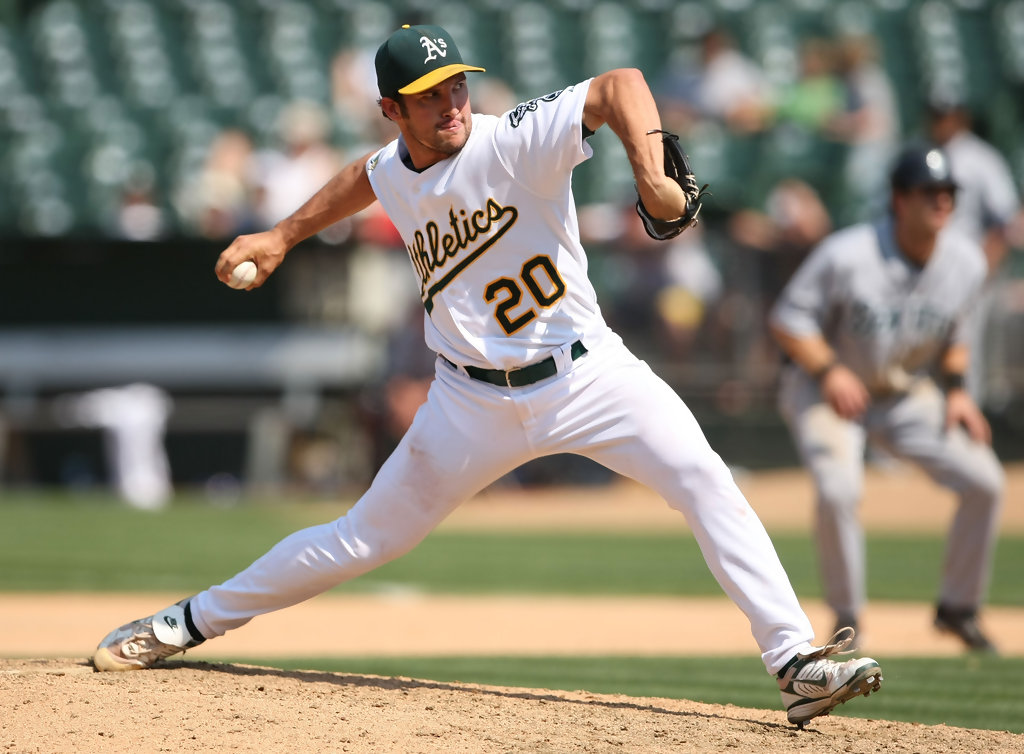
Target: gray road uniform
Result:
[[889, 321]]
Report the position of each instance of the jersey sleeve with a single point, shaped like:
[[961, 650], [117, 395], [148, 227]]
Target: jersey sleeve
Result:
[[540, 141], [802, 307]]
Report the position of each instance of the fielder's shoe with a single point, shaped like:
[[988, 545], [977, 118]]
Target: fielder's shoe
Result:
[[143, 643], [963, 623], [813, 685]]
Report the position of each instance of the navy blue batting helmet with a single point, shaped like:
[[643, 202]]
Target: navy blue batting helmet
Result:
[[919, 166]]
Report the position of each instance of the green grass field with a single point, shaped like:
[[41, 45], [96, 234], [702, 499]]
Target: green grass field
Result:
[[68, 543], [60, 542]]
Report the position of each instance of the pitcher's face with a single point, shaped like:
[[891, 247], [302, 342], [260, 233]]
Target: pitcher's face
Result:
[[435, 123]]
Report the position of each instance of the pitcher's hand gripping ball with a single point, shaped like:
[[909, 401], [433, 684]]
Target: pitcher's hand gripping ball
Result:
[[677, 167], [243, 275]]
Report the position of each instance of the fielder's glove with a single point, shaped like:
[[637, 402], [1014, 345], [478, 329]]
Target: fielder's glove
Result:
[[677, 167]]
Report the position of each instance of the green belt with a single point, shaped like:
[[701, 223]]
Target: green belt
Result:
[[527, 375]]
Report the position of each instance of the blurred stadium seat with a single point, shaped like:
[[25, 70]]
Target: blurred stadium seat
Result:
[[168, 75]]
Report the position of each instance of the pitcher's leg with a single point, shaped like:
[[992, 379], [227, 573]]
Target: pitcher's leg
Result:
[[446, 456], [647, 433]]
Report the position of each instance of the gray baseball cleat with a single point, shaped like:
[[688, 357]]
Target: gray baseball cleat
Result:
[[813, 685], [144, 642]]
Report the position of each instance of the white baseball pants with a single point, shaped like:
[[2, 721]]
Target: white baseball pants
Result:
[[608, 406]]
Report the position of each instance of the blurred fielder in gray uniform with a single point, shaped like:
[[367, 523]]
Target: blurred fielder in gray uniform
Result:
[[874, 324]]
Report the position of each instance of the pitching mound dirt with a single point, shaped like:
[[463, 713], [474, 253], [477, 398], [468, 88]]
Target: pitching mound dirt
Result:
[[63, 706]]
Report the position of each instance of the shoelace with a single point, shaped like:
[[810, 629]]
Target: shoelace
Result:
[[834, 646]]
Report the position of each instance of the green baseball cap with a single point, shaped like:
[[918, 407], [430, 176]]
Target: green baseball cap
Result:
[[415, 58]]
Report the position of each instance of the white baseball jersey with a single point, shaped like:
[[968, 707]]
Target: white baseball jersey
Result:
[[492, 234], [887, 319]]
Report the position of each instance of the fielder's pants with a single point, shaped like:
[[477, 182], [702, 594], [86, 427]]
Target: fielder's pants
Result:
[[911, 427]]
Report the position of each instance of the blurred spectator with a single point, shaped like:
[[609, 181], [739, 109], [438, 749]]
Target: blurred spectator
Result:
[[220, 202], [722, 85], [815, 98], [492, 95], [792, 222], [772, 242], [693, 287], [661, 290], [354, 101], [869, 122], [381, 283], [139, 216], [285, 177]]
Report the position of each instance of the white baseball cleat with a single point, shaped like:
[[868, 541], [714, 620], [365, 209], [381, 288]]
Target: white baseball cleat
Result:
[[813, 685], [144, 642]]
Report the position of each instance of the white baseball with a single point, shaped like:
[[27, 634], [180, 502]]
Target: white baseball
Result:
[[243, 275]]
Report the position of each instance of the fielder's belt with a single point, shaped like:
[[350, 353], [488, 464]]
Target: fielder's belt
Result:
[[523, 376]]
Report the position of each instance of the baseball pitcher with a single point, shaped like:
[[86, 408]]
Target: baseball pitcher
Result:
[[526, 365]]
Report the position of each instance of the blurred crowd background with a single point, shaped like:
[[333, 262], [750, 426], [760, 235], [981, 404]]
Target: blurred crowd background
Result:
[[137, 137]]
